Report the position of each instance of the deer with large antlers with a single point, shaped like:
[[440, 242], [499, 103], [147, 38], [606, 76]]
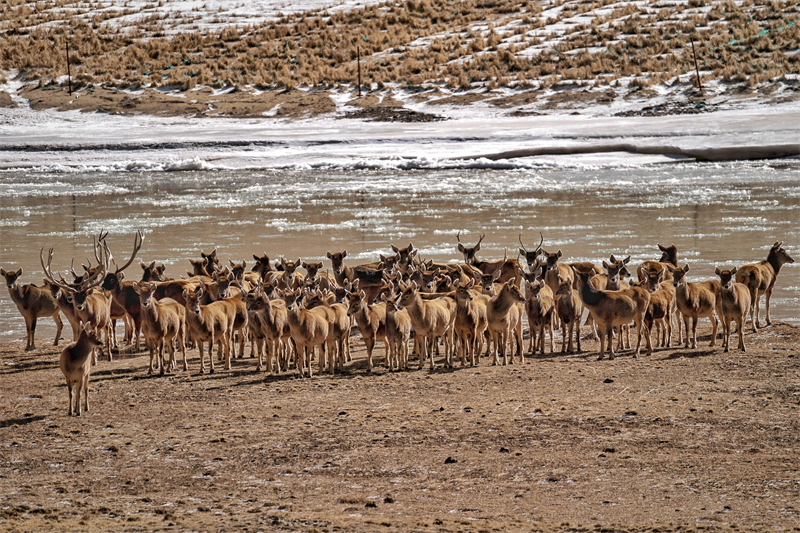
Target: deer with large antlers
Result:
[[32, 302], [76, 365], [509, 268], [90, 306], [123, 294], [759, 278], [531, 257]]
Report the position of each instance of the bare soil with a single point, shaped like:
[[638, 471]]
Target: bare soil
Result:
[[683, 440], [6, 101]]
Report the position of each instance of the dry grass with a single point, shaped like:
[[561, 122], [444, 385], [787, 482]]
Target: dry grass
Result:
[[489, 42]]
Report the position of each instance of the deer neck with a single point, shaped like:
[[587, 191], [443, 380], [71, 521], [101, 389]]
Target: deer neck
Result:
[[589, 294], [503, 301], [774, 262], [16, 293], [81, 351], [151, 311]]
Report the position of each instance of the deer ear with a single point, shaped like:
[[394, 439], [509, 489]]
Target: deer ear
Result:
[[19, 272], [662, 248], [460, 248], [395, 249], [200, 291], [559, 254], [57, 295], [733, 271], [384, 298], [477, 247], [141, 264], [87, 327], [660, 275], [344, 254], [136, 288], [297, 262], [521, 252], [185, 293], [671, 268], [612, 259], [606, 265], [362, 294], [627, 260], [717, 271], [255, 257], [777, 244], [231, 262], [414, 285], [496, 274], [686, 267]]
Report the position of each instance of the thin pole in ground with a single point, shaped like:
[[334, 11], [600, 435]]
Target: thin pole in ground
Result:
[[696, 68], [69, 75], [358, 63]]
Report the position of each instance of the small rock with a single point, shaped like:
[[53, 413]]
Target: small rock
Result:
[[450, 461], [504, 450], [608, 380]]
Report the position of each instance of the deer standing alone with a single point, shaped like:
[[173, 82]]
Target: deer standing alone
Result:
[[76, 365]]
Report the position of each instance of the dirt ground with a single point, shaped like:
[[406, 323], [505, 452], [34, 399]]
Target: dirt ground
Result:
[[682, 440]]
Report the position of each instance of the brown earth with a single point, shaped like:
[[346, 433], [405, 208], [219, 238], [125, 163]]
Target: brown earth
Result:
[[6, 101], [238, 104], [683, 440], [577, 98]]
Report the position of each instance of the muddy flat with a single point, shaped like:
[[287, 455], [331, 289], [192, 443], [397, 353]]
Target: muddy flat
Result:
[[683, 439]]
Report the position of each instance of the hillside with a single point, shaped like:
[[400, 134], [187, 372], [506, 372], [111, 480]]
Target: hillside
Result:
[[524, 57]]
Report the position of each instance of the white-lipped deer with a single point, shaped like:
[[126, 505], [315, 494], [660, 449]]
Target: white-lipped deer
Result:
[[163, 324], [76, 365], [33, 302], [695, 301], [509, 268], [759, 278], [732, 305]]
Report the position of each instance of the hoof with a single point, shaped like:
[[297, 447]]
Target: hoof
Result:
[[211, 371]]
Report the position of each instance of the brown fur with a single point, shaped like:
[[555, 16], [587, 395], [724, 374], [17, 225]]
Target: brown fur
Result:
[[695, 301], [76, 366], [32, 302], [732, 305], [759, 278]]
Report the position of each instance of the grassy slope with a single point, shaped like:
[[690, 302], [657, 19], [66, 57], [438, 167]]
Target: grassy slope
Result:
[[453, 45]]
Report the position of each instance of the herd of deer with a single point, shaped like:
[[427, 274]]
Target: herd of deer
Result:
[[290, 318]]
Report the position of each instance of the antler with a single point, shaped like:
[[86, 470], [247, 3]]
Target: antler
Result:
[[103, 259], [49, 274], [539, 248], [520, 243], [458, 236], [137, 244], [481, 239]]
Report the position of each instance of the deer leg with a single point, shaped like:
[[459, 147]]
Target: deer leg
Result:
[[370, 344], [59, 326], [610, 344], [768, 296], [433, 340], [69, 390], [30, 327], [78, 387], [578, 333], [85, 392], [161, 362], [602, 332]]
